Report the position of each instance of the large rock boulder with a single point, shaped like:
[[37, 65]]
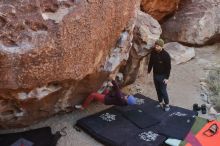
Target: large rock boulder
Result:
[[179, 53], [146, 31], [159, 9], [195, 23], [52, 53]]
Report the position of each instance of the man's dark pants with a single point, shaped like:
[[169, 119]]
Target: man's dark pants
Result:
[[161, 88]]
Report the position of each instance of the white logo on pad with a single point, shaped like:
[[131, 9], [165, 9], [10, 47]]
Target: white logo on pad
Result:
[[148, 136], [179, 114], [139, 101], [108, 117]]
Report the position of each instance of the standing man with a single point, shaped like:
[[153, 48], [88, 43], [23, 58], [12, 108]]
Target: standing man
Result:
[[161, 63]]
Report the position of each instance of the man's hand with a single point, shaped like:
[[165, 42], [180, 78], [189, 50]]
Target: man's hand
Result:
[[165, 81]]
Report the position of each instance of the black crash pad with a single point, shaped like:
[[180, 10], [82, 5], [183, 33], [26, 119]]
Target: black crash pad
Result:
[[108, 127], [125, 126], [140, 118], [36, 137], [177, 125], [146, 137]]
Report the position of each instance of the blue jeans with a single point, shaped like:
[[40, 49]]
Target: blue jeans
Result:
[[161, 88]]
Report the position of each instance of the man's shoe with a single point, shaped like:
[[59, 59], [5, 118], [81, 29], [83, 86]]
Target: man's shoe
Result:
[[167, 108], [79, 107], [160, 105]]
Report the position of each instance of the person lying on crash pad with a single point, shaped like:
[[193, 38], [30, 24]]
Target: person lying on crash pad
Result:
[[114, 96]]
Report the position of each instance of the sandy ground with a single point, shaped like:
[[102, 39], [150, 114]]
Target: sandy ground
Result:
[[183, 89]]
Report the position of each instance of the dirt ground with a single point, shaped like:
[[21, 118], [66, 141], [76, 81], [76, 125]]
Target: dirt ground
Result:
[[183, 89]]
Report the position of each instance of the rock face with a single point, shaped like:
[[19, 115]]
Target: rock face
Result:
[[146, 31], [159, 9], [120, 52], [179, 53], [51, 49], [195, 23]]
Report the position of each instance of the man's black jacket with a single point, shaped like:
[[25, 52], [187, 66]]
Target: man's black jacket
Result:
[[160, 62]]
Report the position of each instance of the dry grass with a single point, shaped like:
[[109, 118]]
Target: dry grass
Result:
[[213, 81]]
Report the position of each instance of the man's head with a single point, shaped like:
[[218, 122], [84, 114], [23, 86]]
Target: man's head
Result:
[[159, 45], [131, 100]]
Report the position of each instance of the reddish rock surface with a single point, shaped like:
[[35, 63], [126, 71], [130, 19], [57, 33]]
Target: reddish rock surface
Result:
[[159, 8], [196, 23], [146, 31], [51, 53]]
